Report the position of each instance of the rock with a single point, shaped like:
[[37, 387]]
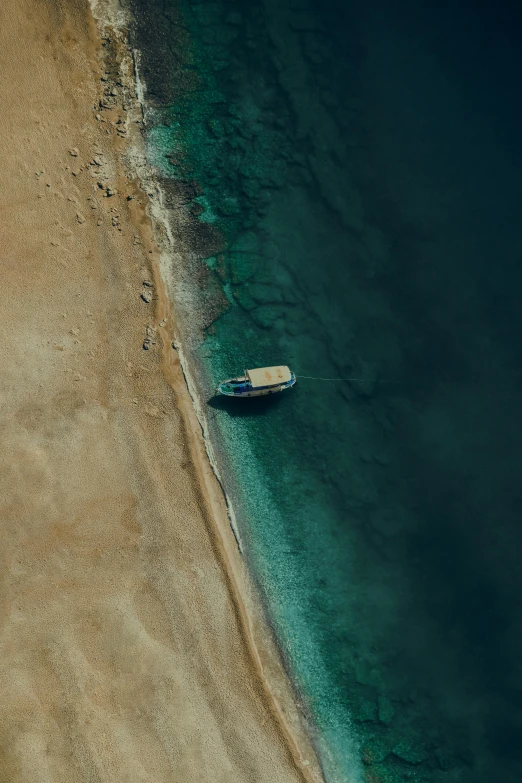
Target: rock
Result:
[[229, 207], [80, 218], [243, 298], [216, 128], [265, 294], [219, 264], [444, 760], [367, 711], [197, 209], [146, 344], [148, 283], [110, 192], [410, 752], [386, 710], [265, 316], [96, 161], [375, 751], [242, 267], [74, 152], [366, 674], [146, 296]]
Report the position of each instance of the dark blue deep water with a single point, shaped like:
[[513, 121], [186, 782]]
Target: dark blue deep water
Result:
[[350, 176]]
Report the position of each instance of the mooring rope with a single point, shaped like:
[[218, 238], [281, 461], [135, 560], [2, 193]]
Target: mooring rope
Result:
[[313, 378], [362, 380]]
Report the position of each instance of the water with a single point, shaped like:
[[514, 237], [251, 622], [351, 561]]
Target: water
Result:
[[351, 179]]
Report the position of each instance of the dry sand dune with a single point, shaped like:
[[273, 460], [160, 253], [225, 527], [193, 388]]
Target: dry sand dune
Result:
[[124, 651]]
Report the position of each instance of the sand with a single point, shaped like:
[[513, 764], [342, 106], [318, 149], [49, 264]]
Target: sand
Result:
[[130, 647]]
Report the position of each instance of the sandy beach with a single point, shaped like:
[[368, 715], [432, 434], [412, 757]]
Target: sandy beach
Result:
[[130, 647]]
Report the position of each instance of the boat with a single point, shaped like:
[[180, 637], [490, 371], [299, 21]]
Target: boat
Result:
[[258, 382]]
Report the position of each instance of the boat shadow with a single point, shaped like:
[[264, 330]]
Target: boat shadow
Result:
[[253, 406]]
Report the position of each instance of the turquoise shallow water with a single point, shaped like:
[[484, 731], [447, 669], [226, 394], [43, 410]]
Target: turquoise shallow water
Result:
[[353, 179]]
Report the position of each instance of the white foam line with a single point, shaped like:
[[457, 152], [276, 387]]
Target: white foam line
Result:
[[196, 401], [140, 87], [110, 13]]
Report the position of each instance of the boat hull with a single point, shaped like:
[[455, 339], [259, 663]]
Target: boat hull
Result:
[[252, 392]]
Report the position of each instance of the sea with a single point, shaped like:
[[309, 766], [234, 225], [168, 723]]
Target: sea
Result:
[[348, 178]]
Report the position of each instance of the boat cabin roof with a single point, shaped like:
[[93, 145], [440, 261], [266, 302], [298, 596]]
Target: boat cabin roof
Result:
[[268, 376]]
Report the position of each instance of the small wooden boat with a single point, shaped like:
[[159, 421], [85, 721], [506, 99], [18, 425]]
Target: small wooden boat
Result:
[[256, 383]]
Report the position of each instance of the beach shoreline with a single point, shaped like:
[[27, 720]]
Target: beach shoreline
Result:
[[94, 688], [258, 633]]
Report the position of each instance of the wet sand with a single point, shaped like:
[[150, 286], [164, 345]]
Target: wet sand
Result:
[[130, 646]]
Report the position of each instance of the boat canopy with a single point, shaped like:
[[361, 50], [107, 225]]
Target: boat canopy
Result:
[[268, 376]]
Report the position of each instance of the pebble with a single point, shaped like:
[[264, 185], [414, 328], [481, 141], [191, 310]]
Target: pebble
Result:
[[74, 152], [80, 218]]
